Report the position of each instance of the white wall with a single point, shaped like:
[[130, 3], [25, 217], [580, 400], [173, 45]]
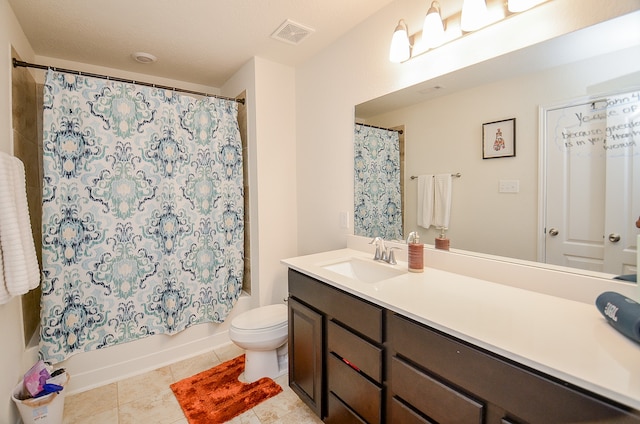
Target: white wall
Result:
[[356, 69], [443, 135], [272, 175]]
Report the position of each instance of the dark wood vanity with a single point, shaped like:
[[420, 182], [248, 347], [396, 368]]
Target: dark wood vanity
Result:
[[353, 361]]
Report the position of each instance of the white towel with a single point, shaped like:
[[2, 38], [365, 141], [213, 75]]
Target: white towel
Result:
[[442, 200], [18, 262], [425, 200]]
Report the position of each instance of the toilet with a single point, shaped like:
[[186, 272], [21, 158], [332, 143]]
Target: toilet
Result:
[[262, 333]]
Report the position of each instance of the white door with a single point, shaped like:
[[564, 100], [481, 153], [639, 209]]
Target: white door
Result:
[[623, 184], [593, 183]]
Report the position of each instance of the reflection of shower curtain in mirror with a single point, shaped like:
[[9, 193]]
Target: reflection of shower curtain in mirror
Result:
[[378, 207], [142, 213]]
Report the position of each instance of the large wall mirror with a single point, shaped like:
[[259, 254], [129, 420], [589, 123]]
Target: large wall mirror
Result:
[[497, 204]]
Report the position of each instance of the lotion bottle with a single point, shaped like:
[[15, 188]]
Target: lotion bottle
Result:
[[416, 252], [442, 242]]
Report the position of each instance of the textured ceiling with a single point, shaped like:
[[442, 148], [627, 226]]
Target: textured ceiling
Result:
[[198, 41]]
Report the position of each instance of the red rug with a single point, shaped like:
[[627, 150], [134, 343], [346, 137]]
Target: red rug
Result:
[[216, 395]]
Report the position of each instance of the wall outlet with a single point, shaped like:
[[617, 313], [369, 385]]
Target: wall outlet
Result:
[[509, 186], [344, 220]]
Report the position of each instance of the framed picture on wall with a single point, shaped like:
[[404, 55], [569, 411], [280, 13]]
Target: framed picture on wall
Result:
[[499, 139]]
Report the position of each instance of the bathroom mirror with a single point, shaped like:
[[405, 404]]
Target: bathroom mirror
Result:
[[496, 202]]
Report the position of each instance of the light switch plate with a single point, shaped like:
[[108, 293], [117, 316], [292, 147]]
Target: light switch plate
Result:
[[509, 186], [344, 220]]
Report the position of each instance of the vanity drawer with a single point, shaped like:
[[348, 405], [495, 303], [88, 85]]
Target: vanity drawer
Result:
[[360, 353], [357, 314], [360, 394], [339, 413], [527, 394], [434, 399], [401, 413]]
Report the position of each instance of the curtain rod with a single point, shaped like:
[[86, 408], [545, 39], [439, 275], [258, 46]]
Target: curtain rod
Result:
[[456, 175], [19, 63], [381, 128]]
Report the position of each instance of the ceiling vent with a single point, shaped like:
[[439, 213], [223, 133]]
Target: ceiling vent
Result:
[[292, 32]]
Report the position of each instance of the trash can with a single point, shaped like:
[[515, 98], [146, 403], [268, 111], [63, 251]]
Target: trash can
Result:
[[47, 409]]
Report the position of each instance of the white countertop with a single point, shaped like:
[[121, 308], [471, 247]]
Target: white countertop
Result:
[[563, 338]]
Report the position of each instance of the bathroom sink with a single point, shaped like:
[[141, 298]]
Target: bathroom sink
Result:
[[366, 271]]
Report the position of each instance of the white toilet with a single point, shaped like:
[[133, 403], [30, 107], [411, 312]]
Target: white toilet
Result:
[[262, 333]]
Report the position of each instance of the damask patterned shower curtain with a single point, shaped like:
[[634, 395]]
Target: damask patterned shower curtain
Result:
[[143, 221], [378, 199]]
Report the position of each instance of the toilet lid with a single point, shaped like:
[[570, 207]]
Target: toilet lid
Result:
[[261, 318]]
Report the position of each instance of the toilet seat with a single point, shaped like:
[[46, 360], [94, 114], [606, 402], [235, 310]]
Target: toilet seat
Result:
[[265, 318]]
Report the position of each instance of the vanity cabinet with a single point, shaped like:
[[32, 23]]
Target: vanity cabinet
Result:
[[353, 361], [436, 378], [336, 355]]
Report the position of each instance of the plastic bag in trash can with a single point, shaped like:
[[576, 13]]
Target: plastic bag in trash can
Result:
[[48, 409]]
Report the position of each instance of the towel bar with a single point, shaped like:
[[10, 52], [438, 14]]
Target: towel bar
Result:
[[456, 175]]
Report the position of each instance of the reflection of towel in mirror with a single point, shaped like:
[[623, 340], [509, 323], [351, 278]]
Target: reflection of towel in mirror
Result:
[[19, 270], [425, 200], [442, 200]]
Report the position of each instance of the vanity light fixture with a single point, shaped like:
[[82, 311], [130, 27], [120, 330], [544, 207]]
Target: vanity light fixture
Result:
[[474, 15], [436, 31], [433, 29], [400, 45]]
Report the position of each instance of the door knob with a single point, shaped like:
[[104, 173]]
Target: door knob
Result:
[[553, 232], [614, 238]]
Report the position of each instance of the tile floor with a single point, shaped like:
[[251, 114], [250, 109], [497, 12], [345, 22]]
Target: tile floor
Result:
[[147, 398]]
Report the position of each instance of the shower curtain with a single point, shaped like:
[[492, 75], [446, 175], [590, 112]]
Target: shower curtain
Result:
[[378, 201], [143, 220]]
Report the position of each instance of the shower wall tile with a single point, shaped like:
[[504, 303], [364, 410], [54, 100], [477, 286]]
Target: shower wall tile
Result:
[[24, 103], [27, 146]]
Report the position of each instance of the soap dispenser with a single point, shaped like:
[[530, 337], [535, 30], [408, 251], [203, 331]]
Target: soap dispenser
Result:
[[416, 252], [442, 242]]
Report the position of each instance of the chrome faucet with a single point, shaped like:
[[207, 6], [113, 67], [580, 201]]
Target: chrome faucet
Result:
[[383, 253], [379, 248], [388, 256]]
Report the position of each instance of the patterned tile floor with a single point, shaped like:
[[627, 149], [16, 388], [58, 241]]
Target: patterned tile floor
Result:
[[147, 398]]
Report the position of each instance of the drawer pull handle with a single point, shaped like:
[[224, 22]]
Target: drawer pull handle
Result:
[[350, 364]]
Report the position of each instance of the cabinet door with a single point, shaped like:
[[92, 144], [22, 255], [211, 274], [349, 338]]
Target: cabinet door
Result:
[[305, 354]]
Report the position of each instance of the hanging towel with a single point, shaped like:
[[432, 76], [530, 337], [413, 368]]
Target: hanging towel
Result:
[[425, 200], [18, 262], [442, 200]]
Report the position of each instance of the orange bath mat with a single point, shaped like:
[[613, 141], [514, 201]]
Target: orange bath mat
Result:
[[216, 395]]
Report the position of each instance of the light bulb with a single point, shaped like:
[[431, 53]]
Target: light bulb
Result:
[[474, 15], [433, 28], [400, 47]]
